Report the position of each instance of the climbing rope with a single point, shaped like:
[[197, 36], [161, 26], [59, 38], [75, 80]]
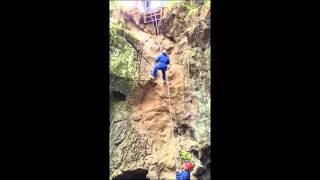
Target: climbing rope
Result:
[[156, 28], [155, 25], [173, 141]]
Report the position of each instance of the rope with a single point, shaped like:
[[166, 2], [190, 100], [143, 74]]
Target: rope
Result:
[[173, 142], [155, 26], [170, 114]]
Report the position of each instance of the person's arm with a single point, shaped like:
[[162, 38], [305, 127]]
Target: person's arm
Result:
[[182, 175], [157, 59], [178, 175]]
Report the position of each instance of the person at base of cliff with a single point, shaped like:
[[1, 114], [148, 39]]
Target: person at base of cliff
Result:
[[147, 5], [163, 61], [185, 174]]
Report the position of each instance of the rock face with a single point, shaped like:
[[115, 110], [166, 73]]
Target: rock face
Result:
[[122, 85], [128, 149], [177, 23], [149, 29], [133, 17], [140, 127]]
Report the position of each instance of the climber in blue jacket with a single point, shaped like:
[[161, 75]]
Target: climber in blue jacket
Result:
[[162, 62], [185, 174]]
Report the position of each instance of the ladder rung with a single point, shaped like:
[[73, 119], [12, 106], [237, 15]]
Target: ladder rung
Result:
[[149, 21], [153, 16], [157, 18]]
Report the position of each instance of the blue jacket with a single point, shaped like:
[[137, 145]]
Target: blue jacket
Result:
[[163, 59], [183, 175]]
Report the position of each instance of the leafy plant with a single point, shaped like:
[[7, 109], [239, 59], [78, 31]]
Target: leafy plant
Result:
[[191, 9], [186, 156], [122, 55]]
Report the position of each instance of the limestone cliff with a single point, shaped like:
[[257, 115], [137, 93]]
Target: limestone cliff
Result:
[[140, 129]]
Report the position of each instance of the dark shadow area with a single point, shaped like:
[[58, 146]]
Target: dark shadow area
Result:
[[118, 96], [195, 153], [205, 153], [172, 39], [206, 175], [184, 128], [137, 174], [192, 133]]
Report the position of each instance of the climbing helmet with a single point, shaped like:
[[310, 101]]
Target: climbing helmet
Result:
[[188, 166]]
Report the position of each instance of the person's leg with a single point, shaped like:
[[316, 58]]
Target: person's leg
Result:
[[154, 71], [164, 74]]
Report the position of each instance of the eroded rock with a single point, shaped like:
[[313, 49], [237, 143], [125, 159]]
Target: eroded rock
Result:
[[131, 149]]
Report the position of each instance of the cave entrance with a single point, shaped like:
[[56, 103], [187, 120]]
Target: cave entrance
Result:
[[118, 96], [136, 174]]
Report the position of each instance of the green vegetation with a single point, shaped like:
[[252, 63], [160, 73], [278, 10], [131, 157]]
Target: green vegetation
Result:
[[185, 156], [122, 62], [207, 3], [121, 57], [122, 54], [203, 120], [194, 8], [171, 3], [199, 89], [191, 10]]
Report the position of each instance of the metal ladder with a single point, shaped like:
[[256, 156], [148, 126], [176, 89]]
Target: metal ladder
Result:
[[153, 15]]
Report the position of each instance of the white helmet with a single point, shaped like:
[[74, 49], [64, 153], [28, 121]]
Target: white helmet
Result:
[[164, 51]]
